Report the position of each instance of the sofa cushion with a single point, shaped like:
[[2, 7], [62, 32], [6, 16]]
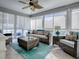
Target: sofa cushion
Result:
[[67, 42], [40, 32], [46, 33], [38, 36], [71, 37], [34, 32]]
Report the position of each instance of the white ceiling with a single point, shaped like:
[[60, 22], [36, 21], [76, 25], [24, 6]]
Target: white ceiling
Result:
[[47, 4]]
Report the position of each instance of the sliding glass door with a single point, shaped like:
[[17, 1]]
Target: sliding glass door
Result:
[[22, 25], [48, 22], [37, 23], [8, 23], [15, 24]]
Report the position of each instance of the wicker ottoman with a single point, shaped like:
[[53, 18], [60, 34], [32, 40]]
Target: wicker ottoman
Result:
[[28, 43]]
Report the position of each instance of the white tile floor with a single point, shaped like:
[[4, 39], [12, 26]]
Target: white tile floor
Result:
[[12, 54], [56, 53]]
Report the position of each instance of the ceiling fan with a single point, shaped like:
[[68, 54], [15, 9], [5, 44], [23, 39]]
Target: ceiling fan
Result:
[[33, 4]]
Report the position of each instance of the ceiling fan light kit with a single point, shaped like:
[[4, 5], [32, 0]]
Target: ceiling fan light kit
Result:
[[32, 8]]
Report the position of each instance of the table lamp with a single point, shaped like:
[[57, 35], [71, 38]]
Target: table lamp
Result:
[[57, 28]]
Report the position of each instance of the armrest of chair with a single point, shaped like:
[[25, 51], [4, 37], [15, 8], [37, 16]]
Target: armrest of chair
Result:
[[75, 45], [76, 48]]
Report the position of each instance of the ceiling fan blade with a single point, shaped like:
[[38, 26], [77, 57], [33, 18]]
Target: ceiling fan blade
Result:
[[35, 1], [25, 7], [37, 6], [30, 0], [23, 2]]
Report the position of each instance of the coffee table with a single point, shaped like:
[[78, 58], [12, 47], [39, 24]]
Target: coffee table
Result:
[[28, 43]]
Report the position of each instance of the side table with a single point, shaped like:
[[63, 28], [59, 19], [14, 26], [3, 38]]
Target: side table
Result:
[[56, 39]]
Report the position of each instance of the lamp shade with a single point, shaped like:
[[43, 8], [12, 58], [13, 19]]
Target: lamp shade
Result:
[[57, 28]]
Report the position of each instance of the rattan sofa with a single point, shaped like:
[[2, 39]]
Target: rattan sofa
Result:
[[70, 46], [43, 35], [26, 43]]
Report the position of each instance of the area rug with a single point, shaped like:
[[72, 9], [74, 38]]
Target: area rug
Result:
[[35, 53]]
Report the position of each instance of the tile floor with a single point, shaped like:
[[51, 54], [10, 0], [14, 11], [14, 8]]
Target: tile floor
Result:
[[12, 54], [56, 53]]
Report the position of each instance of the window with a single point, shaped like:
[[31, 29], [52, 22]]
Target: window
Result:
[[39, 23], [33, 24], [26, 26], [57, 19], [20, 22], [20, 25], [27, 23], [60, 20], [48, 22], [75, 19], [36, 23], [8, 23]]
